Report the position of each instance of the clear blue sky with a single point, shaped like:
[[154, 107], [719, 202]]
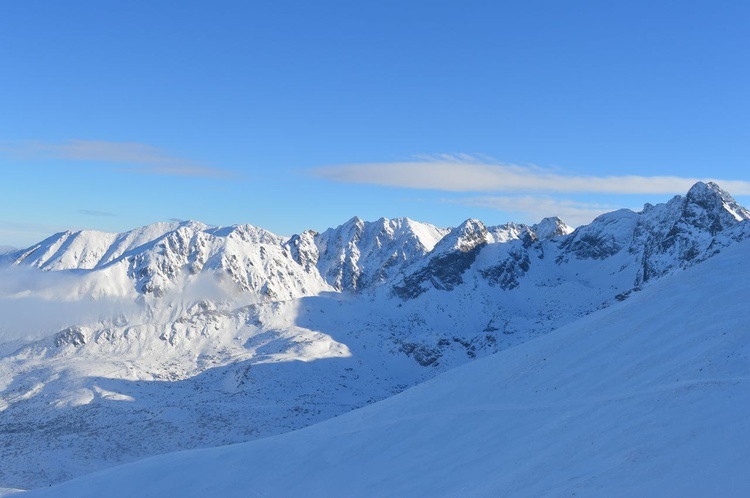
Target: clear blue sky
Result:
[[295, 115]]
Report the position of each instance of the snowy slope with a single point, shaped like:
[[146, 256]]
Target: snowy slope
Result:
[[649, 397], [180, 335]]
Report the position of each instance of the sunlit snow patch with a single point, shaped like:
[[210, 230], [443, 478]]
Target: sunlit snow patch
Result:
[[111, 395], [305, 345], [76, 397]]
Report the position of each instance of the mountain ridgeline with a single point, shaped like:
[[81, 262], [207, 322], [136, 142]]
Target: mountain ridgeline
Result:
[[404, 256], [226, 334]]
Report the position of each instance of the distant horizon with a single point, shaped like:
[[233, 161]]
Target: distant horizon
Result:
[[7, 247]]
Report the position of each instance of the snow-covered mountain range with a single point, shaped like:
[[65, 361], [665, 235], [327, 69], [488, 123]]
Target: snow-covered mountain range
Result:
[[198, 336], [628, 401]]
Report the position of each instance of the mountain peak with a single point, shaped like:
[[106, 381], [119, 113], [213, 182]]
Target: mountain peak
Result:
[[551, 227], [355, 220], [717, 201], [359, 253], [468, 235], [701, 190]]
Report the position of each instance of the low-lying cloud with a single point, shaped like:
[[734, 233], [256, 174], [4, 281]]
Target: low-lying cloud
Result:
[[31, 318], [35, 304]]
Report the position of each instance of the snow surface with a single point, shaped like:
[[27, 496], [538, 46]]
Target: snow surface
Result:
[[649, 397], [186, 336]]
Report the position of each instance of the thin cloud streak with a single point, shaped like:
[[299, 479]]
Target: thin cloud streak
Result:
[[134, 157], [534, 209], [469, 173]]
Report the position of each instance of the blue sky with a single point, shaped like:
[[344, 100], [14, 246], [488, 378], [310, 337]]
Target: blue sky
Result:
[[296, 115]]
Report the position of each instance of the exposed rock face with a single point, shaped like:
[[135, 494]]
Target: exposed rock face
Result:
[[359, 254], [661, 238], [604, 237], [303, 250], [507, 273], [72, 336], [450, 258], [686, 230]]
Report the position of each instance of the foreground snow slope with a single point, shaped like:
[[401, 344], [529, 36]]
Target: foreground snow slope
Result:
[[647, 397]]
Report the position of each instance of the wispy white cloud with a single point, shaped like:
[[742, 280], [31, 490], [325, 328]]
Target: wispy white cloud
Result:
[[132, 157], [36, 303], [474, 173], [535, 208]]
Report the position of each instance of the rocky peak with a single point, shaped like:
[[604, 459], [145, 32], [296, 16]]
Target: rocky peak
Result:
[[686, 230], [706, 193], [355, 226], [709, 207], [359, 253], [447, 262], [467, 236], [550, 228], [509, 231]]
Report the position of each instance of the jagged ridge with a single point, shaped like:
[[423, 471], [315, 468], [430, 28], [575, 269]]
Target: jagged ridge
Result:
[[411, 300]]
